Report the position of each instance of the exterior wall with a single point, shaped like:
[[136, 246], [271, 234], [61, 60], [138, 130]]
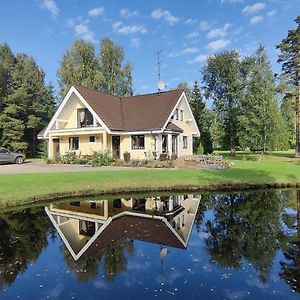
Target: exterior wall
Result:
[[187, 127], [85, 147], [125, 145]]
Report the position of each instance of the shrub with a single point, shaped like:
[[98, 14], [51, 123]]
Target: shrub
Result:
[[102, 158], [126, 156]]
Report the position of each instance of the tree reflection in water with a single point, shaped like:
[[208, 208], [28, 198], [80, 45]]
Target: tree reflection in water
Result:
[[291, 249], [23, 236], [113, 258], [245, 226]]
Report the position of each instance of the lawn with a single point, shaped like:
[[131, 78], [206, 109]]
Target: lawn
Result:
[[276, 169]]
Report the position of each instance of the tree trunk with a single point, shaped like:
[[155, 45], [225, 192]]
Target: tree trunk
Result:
[[297, 108], [298, 212]]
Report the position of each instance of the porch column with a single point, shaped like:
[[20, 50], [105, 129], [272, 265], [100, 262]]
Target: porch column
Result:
[[104, 145], [50, 148], [170, 144]]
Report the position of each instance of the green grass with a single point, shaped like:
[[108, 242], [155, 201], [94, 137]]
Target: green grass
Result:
[[276, 169]]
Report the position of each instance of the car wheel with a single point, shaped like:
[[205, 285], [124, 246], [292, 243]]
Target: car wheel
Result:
[[19, 160]]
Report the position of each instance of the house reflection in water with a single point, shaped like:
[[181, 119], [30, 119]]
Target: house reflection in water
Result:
[[88, 226]]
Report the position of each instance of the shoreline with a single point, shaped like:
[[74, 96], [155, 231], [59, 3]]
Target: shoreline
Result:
[[61, 196]]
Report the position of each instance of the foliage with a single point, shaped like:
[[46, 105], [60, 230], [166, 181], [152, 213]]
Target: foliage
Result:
[[102, 158], [260, 123], [27, 104], [223, 84], [117, 78], [79, 66], [203, 117], [105, 72], [289, 57]]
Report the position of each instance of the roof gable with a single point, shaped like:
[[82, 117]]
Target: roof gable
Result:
[[132, 113]]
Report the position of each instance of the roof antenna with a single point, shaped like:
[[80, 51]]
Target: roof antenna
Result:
[[160, 83]]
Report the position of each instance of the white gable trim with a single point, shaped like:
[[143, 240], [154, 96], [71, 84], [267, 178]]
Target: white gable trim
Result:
[[62, 105], [182, 97]]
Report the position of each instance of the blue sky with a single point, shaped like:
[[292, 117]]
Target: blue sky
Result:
[[185, 31]]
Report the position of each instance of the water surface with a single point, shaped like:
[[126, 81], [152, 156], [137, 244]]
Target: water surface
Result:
[[210, 246]]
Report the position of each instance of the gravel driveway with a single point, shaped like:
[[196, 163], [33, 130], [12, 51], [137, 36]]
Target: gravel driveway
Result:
[[38, 166]]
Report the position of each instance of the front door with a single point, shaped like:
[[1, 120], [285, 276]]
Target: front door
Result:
[[56, 150], [174, 144], [116, 146]]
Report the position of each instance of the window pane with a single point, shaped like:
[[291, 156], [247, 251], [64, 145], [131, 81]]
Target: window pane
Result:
[[92, 139], [138, 142]]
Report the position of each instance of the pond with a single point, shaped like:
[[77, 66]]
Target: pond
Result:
[[242, 245]]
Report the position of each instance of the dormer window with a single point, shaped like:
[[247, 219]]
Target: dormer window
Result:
[[176, 114], [85, 118]]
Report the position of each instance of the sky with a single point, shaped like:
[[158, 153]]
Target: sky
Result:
[[186, 32]]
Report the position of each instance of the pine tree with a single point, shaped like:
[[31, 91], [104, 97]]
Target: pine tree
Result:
[[203, 117], [28, 103], [290, 59]]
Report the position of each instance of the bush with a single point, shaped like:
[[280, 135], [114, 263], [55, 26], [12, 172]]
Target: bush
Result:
[[126, 156], [102, 158], [200, 150]]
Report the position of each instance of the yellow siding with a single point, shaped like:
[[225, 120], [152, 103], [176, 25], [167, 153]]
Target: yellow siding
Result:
[[136, 154], [187, 127]]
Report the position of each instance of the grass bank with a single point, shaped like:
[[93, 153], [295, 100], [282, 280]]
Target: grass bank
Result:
[[279, 169]]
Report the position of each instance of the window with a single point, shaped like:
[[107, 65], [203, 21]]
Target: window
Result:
[[176, 114], [2, 150], [85, 118], [181, 115], [93, 205], [185, 142], [74, 143], [138, 142], [92, 139]]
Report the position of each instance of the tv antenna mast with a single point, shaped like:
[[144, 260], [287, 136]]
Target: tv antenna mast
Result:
[[160, 83]]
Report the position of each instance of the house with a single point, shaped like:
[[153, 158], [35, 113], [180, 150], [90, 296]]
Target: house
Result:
[[89, 226], [143, 125]]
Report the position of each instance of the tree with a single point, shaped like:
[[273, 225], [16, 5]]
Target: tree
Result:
[[27, 103], [79, 66], [290, 59], [203, 117], [260, 122], [222, 76], [117, 79], [105, 72]]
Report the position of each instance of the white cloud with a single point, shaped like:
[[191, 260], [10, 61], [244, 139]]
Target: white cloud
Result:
[[121, 28], [201, 58], [51, 6], [158, 14], [205, 25], [184, 52], [127, 13], [82, 30], [252, 9], [232, 1], [192, 35], [190, 21], [218, 44], [272, 13], [218, 32], [95, 12], [135, 42], [256, 19]]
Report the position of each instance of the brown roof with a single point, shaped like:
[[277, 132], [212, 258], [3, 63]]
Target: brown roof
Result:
[[173, 127], [132, 113], [136, 228]]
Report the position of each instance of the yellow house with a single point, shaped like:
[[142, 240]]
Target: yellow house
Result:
[[146, 126]]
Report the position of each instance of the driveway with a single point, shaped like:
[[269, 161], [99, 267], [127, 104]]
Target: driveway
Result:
[[38, 166]]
